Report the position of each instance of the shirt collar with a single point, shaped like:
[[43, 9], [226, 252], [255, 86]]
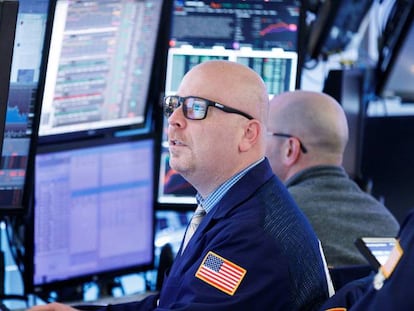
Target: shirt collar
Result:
[[213, 198]]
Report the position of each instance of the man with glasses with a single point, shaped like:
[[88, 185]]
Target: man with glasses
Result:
[[248, 246], [307, 135]]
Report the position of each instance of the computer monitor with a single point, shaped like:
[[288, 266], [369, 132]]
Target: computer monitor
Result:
[[335, 25], [100, 67], [232, 24], [93, 212], [277, 67], [8, 17], [395, 68], [22, 112]]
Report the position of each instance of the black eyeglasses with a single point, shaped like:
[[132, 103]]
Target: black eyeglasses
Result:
[[195, 108], [301, 145]]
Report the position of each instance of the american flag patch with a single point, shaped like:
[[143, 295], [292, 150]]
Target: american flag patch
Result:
[[220, 273]]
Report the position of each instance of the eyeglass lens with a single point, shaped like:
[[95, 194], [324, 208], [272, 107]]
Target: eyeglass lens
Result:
[[193, 108]]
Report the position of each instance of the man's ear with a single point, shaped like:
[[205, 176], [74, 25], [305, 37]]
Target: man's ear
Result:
[[251, 134], [291, 151]]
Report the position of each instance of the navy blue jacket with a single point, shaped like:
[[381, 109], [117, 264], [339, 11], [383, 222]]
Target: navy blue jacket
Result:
[[396, 292], [257, 227]]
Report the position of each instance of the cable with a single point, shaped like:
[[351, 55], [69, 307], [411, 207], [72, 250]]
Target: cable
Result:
[[14, 243]]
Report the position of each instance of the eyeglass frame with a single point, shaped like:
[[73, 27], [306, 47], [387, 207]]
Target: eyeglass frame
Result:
[[301, 145], [209, 103]]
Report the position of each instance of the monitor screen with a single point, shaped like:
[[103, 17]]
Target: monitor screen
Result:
[[258, 24], [93, 211], [99, 67], [20, 130], [376, 250], [277, 67]]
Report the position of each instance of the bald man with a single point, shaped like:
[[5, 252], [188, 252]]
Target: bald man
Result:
[[253, 249], [307, 135]]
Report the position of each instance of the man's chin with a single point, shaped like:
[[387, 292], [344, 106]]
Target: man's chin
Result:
[[181, 167], [177, 164]]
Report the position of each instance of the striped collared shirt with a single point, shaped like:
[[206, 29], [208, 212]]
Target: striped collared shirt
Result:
[[211, 200]]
